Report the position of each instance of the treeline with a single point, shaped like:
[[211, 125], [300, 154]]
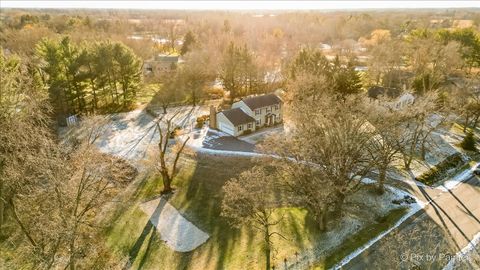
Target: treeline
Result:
[[89, 78], [424, 60], [239, 72], [51, 193], [340, 77], [469, 41]]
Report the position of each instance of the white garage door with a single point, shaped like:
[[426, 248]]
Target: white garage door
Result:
[[226, 128]]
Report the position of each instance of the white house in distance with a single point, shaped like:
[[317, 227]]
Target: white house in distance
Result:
[[248, 115], [161, 63]]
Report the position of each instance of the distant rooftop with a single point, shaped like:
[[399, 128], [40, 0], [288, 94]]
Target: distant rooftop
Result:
[[167, 58]]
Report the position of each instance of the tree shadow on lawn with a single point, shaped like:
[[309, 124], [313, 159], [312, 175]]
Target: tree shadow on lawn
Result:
[[148, 231], [124, 204], [199, 200]]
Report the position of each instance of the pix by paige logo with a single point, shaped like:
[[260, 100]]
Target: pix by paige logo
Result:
[[424, 257]]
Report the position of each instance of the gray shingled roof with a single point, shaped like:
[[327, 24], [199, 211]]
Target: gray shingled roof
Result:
[[238, 117], [166, 58], [262, 101]]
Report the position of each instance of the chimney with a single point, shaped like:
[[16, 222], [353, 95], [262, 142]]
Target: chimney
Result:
[[213, 117]]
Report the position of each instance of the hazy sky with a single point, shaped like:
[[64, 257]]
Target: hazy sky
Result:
[[241, 5]]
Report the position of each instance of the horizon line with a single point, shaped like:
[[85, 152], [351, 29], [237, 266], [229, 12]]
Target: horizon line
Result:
[[241, 5]]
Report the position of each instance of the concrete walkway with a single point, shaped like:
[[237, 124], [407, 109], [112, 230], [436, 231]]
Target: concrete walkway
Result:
[[176, 231]]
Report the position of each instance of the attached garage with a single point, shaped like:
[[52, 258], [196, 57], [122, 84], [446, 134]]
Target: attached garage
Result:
[[227, 128], [235, 122]]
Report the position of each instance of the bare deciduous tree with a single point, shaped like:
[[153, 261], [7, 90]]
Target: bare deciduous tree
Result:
[[249, 200], [418, 126], [94, 179], [168, 92], [466, 102], [168, 156], [385, 144], [324, 156]]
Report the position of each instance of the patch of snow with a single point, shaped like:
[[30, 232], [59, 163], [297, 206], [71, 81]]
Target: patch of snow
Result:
[[450, 184], [457, 179], [127, 135], [176, 231], [408, 180], [349, 225], [396, 192], [330, 239], [413, 209], [227, 153]]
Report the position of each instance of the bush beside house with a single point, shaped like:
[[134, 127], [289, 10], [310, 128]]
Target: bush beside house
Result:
[[468, 142]]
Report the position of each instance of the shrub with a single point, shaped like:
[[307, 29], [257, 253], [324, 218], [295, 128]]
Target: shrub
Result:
[[247, 131], [201, 120], [174, 132], [436, 172], [214, 93], [468, 142]]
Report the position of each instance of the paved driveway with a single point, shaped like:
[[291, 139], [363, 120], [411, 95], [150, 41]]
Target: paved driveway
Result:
[[217, 140]]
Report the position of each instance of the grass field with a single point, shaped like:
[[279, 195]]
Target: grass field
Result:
[[147, 92], [198, 198]]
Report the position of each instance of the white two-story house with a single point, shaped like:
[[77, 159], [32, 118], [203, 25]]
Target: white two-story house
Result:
[[250, 114]]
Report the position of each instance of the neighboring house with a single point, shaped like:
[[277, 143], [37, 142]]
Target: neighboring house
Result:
[[249, 114], [161, 63]]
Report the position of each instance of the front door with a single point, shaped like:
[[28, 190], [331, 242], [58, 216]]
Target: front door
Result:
[[269, 119]]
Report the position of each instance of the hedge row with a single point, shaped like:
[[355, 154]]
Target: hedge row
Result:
[[439, 170]]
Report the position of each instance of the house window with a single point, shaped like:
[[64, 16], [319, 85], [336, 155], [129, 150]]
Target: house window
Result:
[[258, 111], [240, 128], [276, 107], [268, 109], [249, 125], [258, 122]]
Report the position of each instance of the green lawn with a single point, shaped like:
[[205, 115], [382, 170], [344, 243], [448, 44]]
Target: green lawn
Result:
[[146, 93], [198, 198]]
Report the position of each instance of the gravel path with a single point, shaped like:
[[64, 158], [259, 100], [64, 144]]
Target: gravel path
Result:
[[176, 231]]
